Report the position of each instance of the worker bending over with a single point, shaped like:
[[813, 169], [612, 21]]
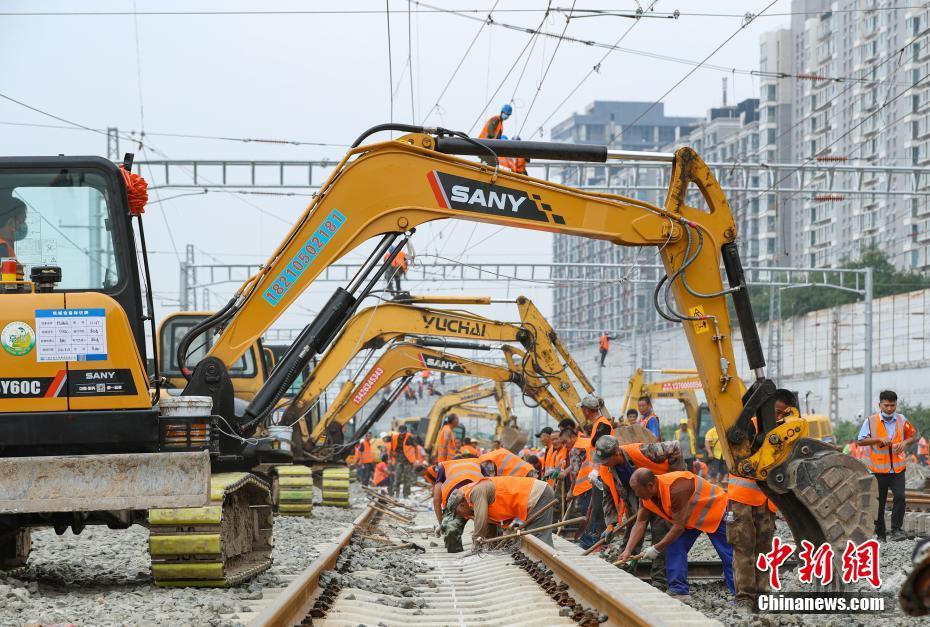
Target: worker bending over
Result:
[[447, 477], [508, 502], [503, 463], [692, 506]]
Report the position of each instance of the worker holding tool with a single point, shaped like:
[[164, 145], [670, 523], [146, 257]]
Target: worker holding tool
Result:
[[510, 502], [365, 459], [503, 463], [446, 477], [405, 456], [692, 506], [447, 448], [598, 425], [554, 461], [622, 460], [494, 127], [752, 526], [888, 434]]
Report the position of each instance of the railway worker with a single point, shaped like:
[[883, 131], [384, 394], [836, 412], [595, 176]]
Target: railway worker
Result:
[[888, 434], [622, 460], [386, 447], [405, 457], [632, 416], [923, 450], [692, 506], [513, 502], [752, 526], [365, 459], [398, 268], [686, 440], [496, 445], [716, 466], [447, 448], [382, 477], [554, 461], [447, 477], [502, 463], [587, 502], [593, 409], [545, 437], [648, 417], [468, 448], [13, 226], [494, 127]]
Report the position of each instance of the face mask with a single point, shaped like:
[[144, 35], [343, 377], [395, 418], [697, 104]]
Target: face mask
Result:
[[504, 116], [21, 232], [884, 415]]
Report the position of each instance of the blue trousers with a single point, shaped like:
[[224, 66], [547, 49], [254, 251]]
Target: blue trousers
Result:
[[676, 558]]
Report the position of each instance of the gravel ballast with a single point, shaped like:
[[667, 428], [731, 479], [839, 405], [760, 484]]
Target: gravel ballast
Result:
[[102, 577]]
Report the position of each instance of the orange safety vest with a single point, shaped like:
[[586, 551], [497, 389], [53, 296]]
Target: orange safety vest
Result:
[[645, 421], [468, 449], [409, 448], [884, 460], [641, 461], [511, 498], [706, 507], [389, 451], [923, 447], [519, 165], [429, 473], [507, 464], [457, 471], [381, 472], [447, 446], [602, 420], [747, 492], [365, 455], [604, 343], [582, 482], [701, 468], [487, 133]]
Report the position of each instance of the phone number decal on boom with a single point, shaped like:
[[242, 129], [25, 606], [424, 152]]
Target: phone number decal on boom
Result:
[[302, 260]]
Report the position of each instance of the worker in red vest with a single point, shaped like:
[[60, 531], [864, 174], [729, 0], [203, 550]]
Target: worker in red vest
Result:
[[508, 502], [693, 506], [13, 226], [888, 434], [365, 459], [494, 127]]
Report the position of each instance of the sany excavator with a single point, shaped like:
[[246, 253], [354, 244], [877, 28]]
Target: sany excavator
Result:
[[680, 388], [397, 366], [76, 397]]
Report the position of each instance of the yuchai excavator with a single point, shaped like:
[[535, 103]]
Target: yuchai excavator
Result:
[[76, 398], [397, 366]]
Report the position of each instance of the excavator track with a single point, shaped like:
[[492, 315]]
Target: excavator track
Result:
[[292, 490], [217, 545], [825, 496], [336, 486]]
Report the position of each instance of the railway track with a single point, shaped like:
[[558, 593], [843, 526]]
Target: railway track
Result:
[[531, 584]]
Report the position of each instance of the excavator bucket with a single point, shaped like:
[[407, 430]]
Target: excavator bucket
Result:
[[824, 495], [513, 439], [915, 593]]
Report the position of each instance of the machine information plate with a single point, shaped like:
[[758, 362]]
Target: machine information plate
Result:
[[71, 334]]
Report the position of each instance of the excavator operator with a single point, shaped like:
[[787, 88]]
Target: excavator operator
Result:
[[13, 226]]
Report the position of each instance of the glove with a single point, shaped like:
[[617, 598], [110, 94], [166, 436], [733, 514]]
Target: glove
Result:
[[650, 553], [605, 535], [437, 530], [516, 524], [595, 479]]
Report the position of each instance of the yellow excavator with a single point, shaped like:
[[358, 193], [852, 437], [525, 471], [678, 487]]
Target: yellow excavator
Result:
[[460, 403], [680, 388], [374, 327], [397, 366], [76, 392]]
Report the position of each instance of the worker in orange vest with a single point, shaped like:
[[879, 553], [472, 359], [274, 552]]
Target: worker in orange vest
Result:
[[405, 457], [648, 417], [494, 127], [508, 502], [598, 425], [621, 460], [398, 268], [603, 346], [888, 434], [923, 450], [382, 477], [699, 468], [693, 506], [13, 226], [447, 476], [503, 463], [751, 530], [468, 449], [447, 448], [365, 459], [554, 462]]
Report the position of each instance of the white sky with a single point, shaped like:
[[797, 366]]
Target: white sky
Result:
[[324, 78]]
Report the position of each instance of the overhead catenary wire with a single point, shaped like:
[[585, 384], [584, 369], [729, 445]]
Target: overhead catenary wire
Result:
[[387, 15]]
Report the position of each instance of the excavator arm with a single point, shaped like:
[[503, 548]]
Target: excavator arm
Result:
[[389, 188]]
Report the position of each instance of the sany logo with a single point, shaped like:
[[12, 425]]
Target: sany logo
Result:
[[502, 200], [463, 194], [365, 388], [438, 363]]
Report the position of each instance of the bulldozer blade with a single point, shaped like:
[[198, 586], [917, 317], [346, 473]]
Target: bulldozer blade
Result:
[[824, 495], [80, 483]]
